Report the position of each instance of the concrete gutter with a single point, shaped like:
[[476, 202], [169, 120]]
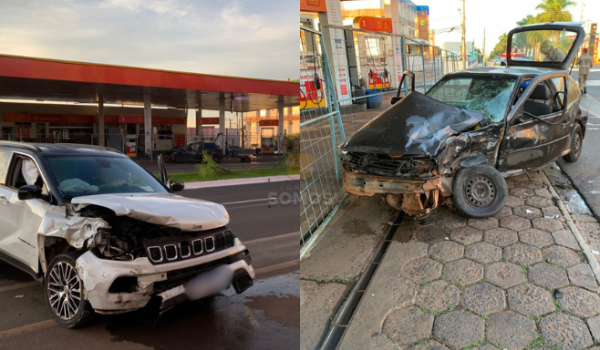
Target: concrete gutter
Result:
[[238, 182], [586, 249]]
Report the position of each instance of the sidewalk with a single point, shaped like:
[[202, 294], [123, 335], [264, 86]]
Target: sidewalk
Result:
[[238, 182], [453, 283]]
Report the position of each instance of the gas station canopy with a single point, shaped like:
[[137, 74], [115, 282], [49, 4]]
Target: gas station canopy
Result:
[[66, 81]]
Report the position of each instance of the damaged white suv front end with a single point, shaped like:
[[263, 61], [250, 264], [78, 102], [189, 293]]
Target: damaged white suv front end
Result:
[[105, 236]]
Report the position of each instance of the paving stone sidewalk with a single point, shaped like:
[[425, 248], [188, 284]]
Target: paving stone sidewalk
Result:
[[514, 281]]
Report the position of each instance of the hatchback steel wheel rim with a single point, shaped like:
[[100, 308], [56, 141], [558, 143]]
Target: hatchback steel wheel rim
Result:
[[576, 144], [480, 191], [64, 290]]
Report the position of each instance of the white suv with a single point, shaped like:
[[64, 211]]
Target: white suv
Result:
[[102, 234]]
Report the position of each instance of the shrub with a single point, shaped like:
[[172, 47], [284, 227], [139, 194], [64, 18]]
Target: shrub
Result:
[[209, 169]]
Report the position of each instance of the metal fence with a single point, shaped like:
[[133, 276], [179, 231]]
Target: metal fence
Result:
[[347, 78]]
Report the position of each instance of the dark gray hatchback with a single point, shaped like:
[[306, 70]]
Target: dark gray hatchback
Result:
[[456, 143]]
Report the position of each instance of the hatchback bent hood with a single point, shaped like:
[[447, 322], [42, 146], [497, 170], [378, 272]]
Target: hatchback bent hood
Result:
[[164, 209], [416, 125]]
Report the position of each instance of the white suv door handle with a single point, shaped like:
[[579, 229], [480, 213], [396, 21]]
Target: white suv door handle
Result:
[[3, 199]]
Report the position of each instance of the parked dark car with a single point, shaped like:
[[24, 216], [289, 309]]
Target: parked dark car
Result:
[[456, 143], [194, 153], [500, 62]]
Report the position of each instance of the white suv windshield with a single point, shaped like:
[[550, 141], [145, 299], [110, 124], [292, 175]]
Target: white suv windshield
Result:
[[483, 94], [83, 176]]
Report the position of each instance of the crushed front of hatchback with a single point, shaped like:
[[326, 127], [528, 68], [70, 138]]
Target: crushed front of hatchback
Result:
[[410, 153]]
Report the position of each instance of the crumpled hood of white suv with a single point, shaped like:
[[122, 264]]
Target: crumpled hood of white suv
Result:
[[165, 209]]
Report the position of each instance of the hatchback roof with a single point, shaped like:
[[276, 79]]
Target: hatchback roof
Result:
[[516, 71]]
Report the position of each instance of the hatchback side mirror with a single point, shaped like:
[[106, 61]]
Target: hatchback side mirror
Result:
[[176, 186], [29, 192], [395, 99]]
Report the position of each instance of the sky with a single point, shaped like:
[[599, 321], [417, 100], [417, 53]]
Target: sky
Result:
[[245, 38], [497, 17]]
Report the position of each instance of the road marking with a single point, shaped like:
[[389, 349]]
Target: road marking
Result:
[[27, 329], [276, 267], [266, 239], [247, 206], [593, 83], [248, 201], [18, 286]]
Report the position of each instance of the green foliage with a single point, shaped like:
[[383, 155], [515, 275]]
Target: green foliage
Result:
[[539, 343], [557, 305], [500, 47], [290, 139], [438, 312], [471, 346], [235, 174], [210, 168], [289, 160], [321, 280], [551, 10], [555, 10]]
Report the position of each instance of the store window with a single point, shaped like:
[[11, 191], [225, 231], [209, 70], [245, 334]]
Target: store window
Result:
[[164, 132]]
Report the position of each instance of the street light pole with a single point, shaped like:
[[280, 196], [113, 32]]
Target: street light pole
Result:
[[464, 46]]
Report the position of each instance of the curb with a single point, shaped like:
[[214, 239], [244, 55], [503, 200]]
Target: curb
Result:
[[239, 182], [588, 253]]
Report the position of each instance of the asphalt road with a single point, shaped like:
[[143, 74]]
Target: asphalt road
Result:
[[266, 316], [585, 173]]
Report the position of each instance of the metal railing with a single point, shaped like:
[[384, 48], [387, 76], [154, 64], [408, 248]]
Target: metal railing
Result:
[[370, 65]]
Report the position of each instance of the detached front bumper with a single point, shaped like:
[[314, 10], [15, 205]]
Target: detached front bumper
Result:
[[103, 279], [414, 196]]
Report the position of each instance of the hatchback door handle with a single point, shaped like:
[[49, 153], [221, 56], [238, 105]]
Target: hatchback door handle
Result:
[[3, 199]]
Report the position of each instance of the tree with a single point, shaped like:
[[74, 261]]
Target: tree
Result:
[[529, 19], [500, 47], [555, 10]]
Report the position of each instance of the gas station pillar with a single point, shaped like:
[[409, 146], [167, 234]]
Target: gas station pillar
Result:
[[198, 119], [397, 68], [280, 131], [222, 119], [101, 138], [198, 125], [335, 45], [148, 125]]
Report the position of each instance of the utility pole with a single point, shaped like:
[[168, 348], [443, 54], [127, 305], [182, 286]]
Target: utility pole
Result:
[[483, 58], [464, 46], [592, 40]]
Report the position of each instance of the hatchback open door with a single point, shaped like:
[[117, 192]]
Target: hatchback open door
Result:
[[403, 86], [547, 45], [174, 186]]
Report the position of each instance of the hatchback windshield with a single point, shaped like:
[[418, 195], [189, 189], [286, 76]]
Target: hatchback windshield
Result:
[[487, 94], [83, 176]]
